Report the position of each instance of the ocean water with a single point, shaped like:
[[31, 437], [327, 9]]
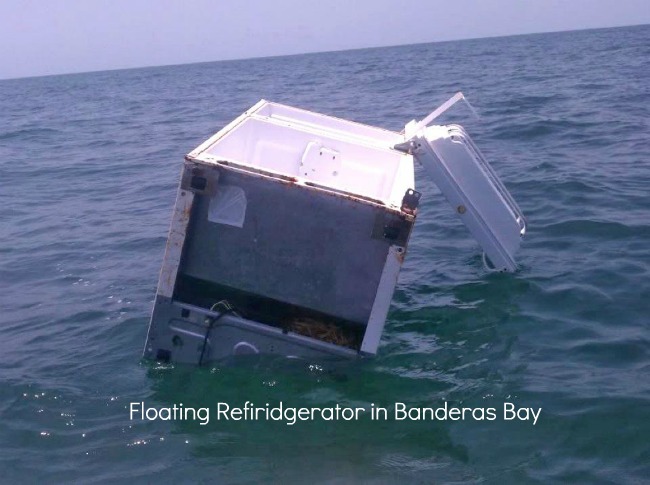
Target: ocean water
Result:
[[89, 165]]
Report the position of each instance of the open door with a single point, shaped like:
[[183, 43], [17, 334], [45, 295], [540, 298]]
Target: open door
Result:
[[474, 191]]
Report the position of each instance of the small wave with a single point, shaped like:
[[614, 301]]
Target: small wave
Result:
[[603, 230], [28, 134], [543, 128]]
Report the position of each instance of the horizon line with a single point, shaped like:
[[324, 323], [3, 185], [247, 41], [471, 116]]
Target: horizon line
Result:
[[319, 52]]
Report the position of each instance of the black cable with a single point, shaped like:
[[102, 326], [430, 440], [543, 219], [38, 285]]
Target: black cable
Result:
[[207, 332]]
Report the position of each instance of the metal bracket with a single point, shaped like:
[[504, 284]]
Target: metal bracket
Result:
[[405, 147], [393, 228], [200, 180], [410, 201]]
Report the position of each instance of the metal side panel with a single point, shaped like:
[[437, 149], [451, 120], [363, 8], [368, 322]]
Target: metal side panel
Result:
[[474, 191], [294, 245], [175, 242], [189, 334], [384, 297]]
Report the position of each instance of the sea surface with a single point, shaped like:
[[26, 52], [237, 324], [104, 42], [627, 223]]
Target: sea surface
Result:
[[89, 166]]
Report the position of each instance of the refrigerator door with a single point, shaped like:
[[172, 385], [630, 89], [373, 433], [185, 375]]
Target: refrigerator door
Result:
[[474, 191]]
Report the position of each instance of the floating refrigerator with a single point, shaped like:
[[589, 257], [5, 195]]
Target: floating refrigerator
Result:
[[290, 228]]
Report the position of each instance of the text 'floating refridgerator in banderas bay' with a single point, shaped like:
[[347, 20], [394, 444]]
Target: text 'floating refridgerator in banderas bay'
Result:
[[290, 228]]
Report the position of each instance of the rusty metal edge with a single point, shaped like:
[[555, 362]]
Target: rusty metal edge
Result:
[[294, 181]]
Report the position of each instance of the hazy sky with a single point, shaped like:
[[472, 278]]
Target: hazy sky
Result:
[[58, 36]]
